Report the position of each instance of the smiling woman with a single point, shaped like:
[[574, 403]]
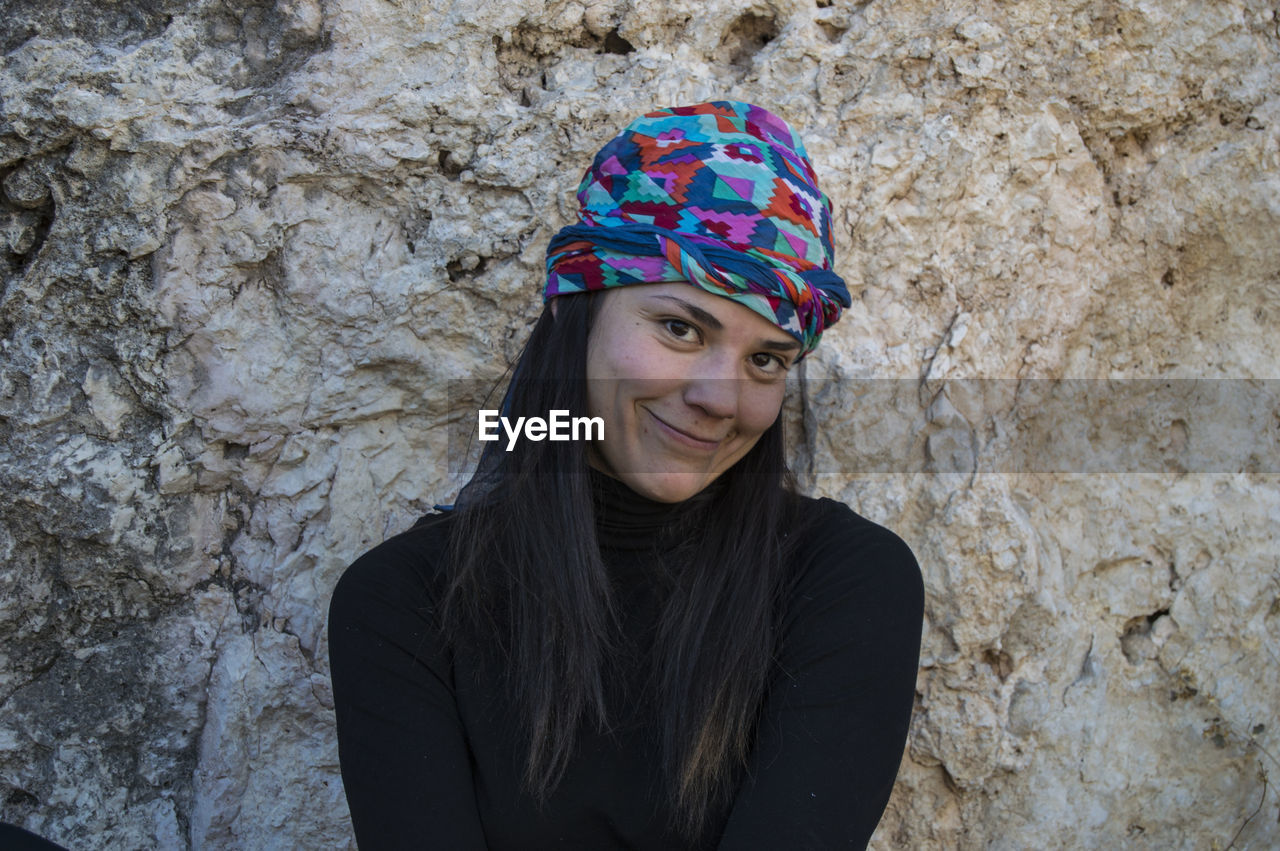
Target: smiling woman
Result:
[[647, 640], [687, 381]]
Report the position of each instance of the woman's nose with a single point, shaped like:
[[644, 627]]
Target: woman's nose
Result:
[[714, 389]]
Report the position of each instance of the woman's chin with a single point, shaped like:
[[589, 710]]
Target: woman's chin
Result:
[[666, 486]]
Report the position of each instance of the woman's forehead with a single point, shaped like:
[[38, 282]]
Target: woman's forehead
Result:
[[719, 313]]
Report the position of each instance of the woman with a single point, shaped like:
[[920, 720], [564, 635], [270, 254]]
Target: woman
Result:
[[648, 640]]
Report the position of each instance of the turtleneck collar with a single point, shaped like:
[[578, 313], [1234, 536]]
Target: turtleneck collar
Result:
[[626, 520]]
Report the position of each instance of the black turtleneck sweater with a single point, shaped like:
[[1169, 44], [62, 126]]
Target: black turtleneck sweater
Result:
[[430, 757]]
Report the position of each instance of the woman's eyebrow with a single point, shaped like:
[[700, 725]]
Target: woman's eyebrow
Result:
[[780, 345], [696, 312], [715, 324]]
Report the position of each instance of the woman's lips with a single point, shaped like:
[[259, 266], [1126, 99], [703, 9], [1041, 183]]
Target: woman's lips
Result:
[[684, 437]]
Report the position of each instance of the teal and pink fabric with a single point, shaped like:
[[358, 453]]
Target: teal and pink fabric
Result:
[[721, 195]]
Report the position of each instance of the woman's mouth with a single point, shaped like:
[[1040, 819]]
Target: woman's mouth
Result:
[[684, 438]]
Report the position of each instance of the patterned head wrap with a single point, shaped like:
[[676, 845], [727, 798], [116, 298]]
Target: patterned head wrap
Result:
[[721, 195]]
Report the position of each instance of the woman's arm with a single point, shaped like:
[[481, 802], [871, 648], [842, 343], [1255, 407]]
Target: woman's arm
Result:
[[405, 761], [834, 725]]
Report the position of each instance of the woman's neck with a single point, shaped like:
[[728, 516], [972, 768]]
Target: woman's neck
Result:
[[626, 520]]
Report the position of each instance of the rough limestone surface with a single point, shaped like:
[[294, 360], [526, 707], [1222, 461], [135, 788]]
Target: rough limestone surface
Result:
[[249, 248]]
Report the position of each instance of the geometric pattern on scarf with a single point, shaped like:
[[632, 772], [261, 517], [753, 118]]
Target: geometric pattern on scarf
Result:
[[720, 195]]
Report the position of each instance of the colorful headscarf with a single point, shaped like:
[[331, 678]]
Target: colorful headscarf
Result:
[[721, 195]]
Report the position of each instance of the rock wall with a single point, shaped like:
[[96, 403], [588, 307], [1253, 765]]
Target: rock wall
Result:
[[250, 247]]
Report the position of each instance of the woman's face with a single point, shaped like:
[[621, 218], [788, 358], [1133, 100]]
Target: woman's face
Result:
[[686, 383]]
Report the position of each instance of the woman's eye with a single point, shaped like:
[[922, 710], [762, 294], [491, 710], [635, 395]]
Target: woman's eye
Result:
[[768, 362], [680, 329]]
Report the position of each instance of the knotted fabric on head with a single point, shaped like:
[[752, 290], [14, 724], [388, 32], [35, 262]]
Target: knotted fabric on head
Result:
[[721, 195]]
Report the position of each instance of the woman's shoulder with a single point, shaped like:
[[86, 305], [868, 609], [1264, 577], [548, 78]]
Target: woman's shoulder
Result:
[[408, 566], [838, 545]]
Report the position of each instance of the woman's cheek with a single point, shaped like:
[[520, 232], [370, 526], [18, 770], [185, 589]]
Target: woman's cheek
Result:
[[763, 406]]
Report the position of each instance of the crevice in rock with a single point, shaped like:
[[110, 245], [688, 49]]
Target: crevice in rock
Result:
[[19, 804], [246, 596], [260, 43], [1135, 638], [747, 36], [528, 50], [27, 211], [234, 451], [17, 797], [616, 44], [1000, 662], [832, 32], [113, 24], [949, 780], [416, 231], [1088, 669], [267, 273], [1235, 114], [1183, 686], [463, 267], [449, 165]]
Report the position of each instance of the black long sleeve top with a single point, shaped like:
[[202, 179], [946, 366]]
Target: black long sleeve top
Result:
[[432, 758]]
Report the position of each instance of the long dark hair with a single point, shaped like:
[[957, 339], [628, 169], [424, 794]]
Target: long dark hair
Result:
[[525, 566]]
